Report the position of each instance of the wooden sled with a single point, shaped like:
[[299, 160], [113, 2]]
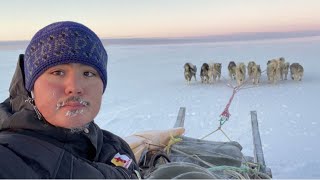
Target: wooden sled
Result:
[[224, 155]]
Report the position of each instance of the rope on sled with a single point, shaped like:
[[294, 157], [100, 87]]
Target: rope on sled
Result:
[[242, 172], [225, 115], [247, 170], [172, 141]]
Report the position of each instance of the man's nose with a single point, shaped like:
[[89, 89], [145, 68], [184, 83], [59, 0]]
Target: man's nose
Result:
[[73, 85]]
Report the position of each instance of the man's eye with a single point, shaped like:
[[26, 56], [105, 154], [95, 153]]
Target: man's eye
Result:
[[58, 73], [89, 74]]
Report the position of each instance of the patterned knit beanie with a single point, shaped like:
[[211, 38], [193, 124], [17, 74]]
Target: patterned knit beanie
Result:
[[61, 43]]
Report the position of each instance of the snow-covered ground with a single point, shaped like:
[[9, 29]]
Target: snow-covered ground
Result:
[[146, 88]]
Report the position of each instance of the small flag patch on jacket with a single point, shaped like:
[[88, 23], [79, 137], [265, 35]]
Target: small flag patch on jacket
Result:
[[121, 160]]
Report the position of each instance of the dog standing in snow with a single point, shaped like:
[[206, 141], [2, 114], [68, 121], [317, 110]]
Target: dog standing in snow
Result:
[[232, 70], [250, 65], [204, 73], [240, 73], [296, 71], [273, 70], [190, 71], [256, 73], [285, 70], [216, 71]]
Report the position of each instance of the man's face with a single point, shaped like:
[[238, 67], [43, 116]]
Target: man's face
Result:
[[69, 95]]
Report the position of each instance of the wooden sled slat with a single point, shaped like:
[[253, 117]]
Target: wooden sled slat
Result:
[[180, 117], [258, 152]]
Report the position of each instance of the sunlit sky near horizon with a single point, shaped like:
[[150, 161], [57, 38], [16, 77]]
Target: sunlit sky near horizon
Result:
[[21, 19]]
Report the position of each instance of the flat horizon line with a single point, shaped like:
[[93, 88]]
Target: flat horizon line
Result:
[[246, 36]]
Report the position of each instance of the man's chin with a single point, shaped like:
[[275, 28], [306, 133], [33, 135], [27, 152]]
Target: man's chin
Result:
[[74, 112], [73, 123]]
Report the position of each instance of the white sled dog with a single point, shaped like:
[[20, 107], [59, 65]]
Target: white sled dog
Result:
[[273, 70], [285, 70], [296, 71], [250, 65], [281, 62], [189, 71], [256, 73], [216, 71], [232, 70], [210, 72], [204, 73], [240, 73]]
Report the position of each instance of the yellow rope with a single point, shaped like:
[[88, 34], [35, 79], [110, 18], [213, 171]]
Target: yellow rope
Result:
[[173, 140]]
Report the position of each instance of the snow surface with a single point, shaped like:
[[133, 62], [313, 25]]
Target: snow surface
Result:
[[146, 88]]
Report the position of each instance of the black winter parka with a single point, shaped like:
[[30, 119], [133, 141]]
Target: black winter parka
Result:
[[32, 148]]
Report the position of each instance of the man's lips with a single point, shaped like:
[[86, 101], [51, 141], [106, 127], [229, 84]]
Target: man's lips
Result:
[[73, 105], [72, 102]]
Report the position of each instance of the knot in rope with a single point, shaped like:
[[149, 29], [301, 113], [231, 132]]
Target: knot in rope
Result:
[[224, 116]]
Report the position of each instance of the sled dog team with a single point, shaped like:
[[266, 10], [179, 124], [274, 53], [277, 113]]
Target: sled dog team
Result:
[[277, 69]]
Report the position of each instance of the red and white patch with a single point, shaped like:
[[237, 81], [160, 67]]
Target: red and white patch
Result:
[[121, 160]]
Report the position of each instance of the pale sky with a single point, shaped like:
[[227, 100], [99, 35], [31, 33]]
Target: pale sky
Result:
[[21, 19]]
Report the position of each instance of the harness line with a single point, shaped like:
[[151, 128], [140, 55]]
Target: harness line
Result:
[[225, 115]]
